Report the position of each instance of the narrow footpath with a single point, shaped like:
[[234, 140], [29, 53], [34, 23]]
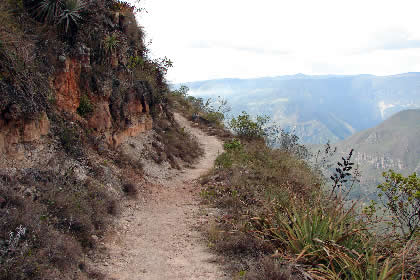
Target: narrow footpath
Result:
[[157, 239]]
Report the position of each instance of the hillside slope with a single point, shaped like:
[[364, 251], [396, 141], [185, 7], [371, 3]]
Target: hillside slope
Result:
[[76, 84], [394, 144]]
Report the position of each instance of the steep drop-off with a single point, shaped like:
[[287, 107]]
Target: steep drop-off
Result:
[[394, 144]]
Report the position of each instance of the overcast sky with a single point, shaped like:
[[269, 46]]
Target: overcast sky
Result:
[[244, 39]]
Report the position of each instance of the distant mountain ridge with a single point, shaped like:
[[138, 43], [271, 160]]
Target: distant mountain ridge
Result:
[[318, 108], [393, 144]]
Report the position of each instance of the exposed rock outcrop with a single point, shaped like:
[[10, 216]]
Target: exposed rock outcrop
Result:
[[66, 85], [14, 132], [130, 116]]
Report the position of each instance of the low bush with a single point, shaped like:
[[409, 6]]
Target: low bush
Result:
[[210, 112], [273, 197], [125, 161], [233, 145], [269, 268], [44, 232], [244, 126], [80, 208], [178, 143], [85, 107], [400, 196]]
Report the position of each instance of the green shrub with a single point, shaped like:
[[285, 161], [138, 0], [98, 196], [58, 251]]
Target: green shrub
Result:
[[279, 138], [85, 107], [134, 61], [182, 91], [224, 161], [233, 145], [111, 43], [119, 5], [401, 196], [244, 126]]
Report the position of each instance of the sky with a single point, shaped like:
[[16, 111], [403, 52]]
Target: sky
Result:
[[248, 39]]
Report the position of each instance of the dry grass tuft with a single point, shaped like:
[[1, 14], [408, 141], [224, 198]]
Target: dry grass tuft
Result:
[[45, 231], [130, 189], [269, 268], [177, 143]]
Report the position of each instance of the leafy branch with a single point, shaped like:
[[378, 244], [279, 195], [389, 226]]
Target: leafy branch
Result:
[[342, 173]]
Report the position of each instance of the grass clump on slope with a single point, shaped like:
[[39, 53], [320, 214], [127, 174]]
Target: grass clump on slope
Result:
[[277, 222]]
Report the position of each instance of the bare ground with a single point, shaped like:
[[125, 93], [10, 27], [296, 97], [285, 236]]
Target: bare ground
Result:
[[156, 236]]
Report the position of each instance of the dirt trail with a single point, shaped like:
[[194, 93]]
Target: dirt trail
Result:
[[156, 239]]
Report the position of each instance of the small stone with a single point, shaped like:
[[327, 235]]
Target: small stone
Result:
[[62, 58]]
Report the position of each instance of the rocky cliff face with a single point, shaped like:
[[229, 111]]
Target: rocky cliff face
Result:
[[379, 161], [131, 110], [101, 79]]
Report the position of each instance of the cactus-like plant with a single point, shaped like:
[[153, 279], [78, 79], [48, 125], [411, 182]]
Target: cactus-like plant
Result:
[[111, 43], [48, 10], [71, 14], [65, 13]]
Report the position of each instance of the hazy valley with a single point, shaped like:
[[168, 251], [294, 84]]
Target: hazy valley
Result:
[[393, 144], [367, 113], [318, 108]]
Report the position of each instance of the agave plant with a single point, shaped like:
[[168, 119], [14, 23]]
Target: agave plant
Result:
[[111, 43], [49, 10], [71, 14]]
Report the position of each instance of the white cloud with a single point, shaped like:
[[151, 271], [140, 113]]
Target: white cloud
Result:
[[243, 38]]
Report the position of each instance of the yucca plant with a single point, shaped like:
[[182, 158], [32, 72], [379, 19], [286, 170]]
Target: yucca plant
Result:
[[49, 10], [368, 265], [300, 228], [111, 43], [304, 231], [330, 238], [71, 14]]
